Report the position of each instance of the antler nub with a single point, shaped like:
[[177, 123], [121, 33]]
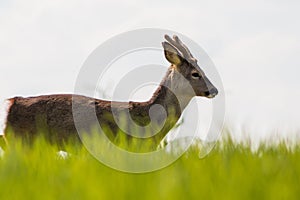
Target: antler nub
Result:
[[176, 42]]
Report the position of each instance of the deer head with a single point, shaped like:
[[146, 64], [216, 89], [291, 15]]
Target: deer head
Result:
[[185, 66]]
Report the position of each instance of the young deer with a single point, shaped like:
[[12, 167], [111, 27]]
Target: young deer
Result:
[[54, 114]]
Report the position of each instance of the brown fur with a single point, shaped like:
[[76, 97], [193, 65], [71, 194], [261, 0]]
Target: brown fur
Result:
[[52, 114]]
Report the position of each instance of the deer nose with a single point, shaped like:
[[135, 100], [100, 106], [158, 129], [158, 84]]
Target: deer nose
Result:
[[212, 93]]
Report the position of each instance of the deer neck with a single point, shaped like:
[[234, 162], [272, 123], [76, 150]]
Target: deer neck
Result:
[[170, 94]]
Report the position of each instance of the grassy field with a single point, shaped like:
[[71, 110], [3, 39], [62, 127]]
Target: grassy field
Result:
[[230, 171]]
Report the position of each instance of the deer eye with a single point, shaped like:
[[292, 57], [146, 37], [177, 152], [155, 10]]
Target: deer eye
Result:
[[195, 75]]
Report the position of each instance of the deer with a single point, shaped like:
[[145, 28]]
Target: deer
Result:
[[26, 116]]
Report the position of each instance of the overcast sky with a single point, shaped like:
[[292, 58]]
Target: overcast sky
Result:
[[255, 46]]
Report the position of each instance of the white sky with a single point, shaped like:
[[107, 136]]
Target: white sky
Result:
[[255, 45]]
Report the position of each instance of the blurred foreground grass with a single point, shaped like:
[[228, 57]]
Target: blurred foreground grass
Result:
[[230, 171]]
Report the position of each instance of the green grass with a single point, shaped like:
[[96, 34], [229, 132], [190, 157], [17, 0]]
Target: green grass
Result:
[[230, 171]]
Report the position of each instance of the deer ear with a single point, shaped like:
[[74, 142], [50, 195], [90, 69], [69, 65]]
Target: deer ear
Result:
[[171, 54]]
